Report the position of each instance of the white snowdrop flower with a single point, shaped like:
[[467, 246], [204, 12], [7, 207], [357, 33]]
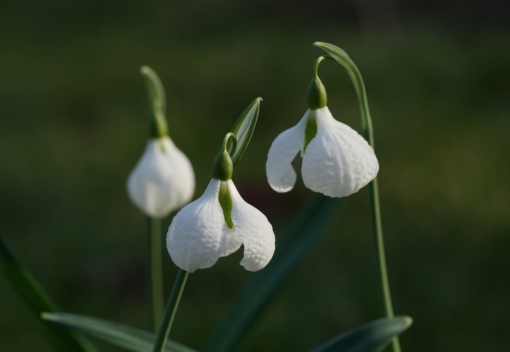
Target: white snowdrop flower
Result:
[[337, 160], [163, 179], [218, 223]]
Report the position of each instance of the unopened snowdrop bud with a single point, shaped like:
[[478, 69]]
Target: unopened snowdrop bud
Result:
[[337, 161], [219, 222], [163, 179]]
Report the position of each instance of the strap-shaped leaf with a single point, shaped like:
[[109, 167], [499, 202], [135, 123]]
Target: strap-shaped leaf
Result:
[[127, 337], [37, 300], [302, 234], [371, 337], [243, 129]]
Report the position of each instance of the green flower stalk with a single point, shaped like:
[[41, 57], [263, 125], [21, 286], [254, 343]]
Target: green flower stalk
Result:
[[161, 182], [343, 59]]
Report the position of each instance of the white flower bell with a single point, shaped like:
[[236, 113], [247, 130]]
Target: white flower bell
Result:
[[337, 161], [218, 223], [163, 179]]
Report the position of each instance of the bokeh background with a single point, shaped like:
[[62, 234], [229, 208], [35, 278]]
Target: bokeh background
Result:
[[73, 123]]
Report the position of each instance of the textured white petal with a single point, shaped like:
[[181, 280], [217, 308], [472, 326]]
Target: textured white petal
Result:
[[198, 234], [254, 230], [162, 180], [280, 173], [338, 161]]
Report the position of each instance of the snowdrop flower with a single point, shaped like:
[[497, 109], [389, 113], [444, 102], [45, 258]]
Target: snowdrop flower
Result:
[[337, 161], [218, 223], [163, 179]]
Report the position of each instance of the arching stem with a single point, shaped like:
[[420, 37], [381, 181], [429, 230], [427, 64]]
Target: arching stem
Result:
[[343, 59]]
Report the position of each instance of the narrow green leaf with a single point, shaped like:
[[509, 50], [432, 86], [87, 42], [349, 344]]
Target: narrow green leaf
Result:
[[243, 129], [371, 337], [38, 301], [127, 337], [302, 234]]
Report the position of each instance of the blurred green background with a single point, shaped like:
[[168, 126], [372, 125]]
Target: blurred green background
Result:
[[73, 123]]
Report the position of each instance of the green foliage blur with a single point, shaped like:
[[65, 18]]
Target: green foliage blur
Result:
[[73, 123]]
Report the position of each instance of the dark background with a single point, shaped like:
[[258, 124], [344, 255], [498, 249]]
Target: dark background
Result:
[[73, 122]]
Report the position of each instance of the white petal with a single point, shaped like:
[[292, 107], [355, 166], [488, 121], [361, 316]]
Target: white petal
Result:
[[198, 234], [280, 173], [254, 230], [338, 161], [162, 180], [184, 177]]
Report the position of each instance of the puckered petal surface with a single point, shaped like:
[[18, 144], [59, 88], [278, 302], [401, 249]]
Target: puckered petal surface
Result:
[[162, 180], [338, 161], [280, 173], [254, 230], [198, 235]]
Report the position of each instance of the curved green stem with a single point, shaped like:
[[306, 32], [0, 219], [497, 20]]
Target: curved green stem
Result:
[[171, 309], [316, 65], [343, 59], [155, 273]]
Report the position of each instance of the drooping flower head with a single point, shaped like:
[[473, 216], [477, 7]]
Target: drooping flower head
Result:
[[163, 179], [220, 221], [337, 161]]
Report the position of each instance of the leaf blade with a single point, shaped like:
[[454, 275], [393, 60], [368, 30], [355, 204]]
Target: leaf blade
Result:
[[302, 234], [37, 300], [120, 335], [371, 337]]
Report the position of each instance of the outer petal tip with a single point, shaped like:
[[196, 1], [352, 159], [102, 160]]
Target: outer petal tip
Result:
[[255, 232], [280, 173]]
